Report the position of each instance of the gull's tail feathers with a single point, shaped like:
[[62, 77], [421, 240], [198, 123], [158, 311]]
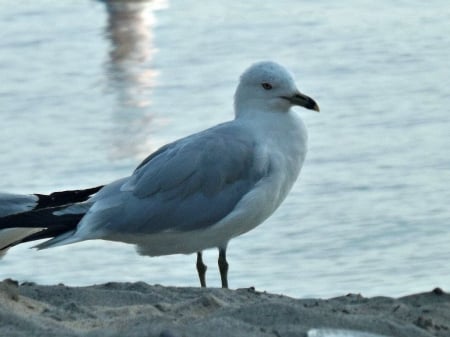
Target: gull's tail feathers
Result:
[[38, 224], [25, 218], [62, 239]]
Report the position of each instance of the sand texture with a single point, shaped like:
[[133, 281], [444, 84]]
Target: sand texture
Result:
[[139, 309]]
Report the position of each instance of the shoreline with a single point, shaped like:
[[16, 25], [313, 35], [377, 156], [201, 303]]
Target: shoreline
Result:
[[138, 309]]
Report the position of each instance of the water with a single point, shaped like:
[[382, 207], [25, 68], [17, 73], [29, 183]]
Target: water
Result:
[[88, 89]]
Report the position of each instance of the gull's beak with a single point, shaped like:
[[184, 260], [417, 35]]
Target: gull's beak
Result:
[[302, 100]]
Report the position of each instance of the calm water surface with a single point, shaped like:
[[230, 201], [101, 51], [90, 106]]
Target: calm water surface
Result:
[[89, 88]]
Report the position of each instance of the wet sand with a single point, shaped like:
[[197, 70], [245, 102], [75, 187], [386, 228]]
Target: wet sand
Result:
[[139, 309]]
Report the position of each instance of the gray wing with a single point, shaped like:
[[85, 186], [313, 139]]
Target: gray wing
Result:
[[194, 182]]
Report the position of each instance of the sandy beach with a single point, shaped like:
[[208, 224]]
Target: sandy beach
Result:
[[139, 309]]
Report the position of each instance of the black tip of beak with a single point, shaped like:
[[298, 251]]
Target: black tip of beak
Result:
[[311, 104], [304, 101]]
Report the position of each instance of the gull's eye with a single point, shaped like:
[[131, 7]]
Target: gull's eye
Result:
[[266, 86]]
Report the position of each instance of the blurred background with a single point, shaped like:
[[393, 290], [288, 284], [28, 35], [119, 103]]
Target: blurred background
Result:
[[90, 88]]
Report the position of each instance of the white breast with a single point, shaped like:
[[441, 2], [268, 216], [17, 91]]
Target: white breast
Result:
[[286, 155]]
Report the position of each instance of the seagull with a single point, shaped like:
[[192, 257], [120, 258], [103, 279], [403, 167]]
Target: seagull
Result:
[[196, 193]]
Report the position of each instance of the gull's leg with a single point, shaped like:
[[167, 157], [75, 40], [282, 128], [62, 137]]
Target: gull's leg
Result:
[[223, 267], [201, 269]]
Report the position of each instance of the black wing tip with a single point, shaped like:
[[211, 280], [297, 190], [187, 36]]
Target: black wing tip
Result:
[[56, 199]]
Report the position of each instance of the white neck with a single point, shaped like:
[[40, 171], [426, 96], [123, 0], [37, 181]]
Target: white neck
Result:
[[245, 103]]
